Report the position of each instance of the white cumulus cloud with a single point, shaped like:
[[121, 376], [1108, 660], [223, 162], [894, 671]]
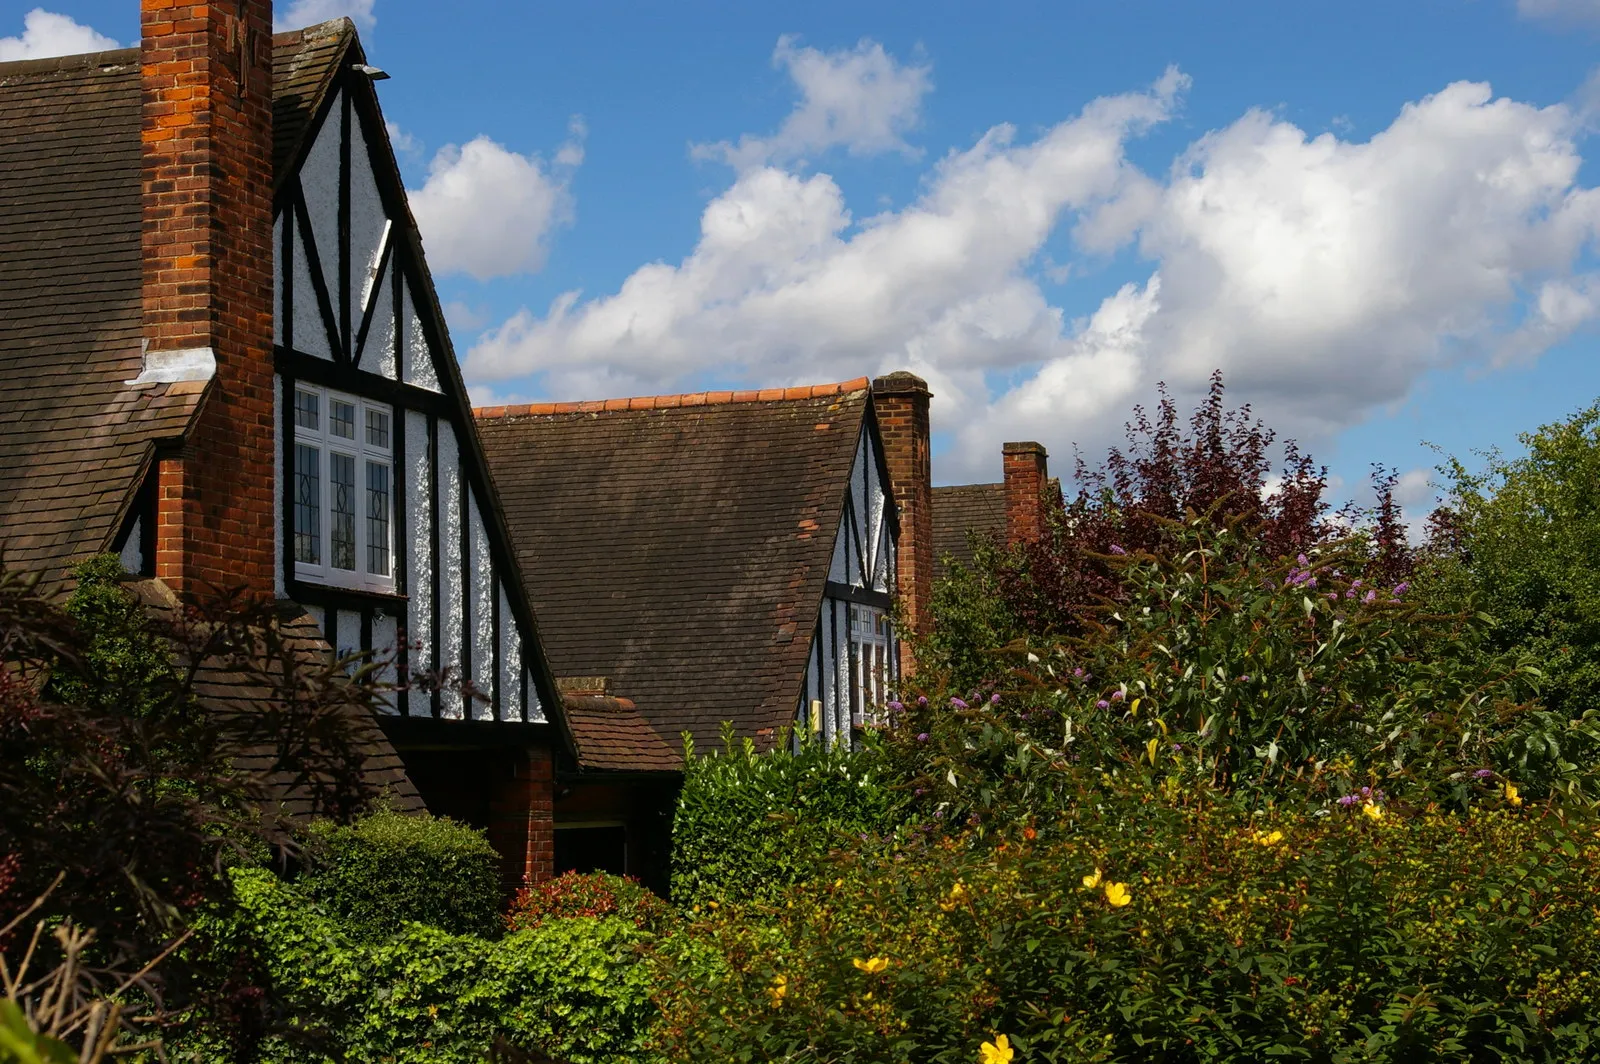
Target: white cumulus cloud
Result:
[[487, 211], [45, 34], [302, 13], [1324, 276], [861, 99], [1562, 10]]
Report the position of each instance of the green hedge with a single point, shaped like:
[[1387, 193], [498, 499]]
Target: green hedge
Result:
[[388, 868], [1172, 926], [748, 826], [575, 989]]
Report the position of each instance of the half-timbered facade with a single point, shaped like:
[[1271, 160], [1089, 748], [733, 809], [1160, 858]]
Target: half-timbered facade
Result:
[[220, 312]]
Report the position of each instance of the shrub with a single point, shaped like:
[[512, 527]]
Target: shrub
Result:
[[595, 894], [1172, 926], [388, 868], [749, 826], [576, 989]]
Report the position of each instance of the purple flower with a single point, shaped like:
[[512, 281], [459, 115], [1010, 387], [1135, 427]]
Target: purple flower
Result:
[[919, 792], [1117, 696], [1370, 597], [994, 700], [1102, 704], [1355, 583], [1301, 558], [958, 703], [1483, 774], [922, 700], [896, 706], [922, 737], [1347, 594], [938, 814], [1078, 672], [1245, 678], [1401, 588], [1348, 799], [1117, 550], [1366, 792], [1312, 582], [1177, 748]]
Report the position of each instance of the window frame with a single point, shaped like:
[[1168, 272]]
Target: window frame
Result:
[[361, 452], [872, 661]]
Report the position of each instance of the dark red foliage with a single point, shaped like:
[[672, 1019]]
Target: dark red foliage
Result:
[[1218, 465], [594, 894]]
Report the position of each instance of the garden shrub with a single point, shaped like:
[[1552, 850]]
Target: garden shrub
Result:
[[1172, 925], [593, 894], [388, 868], [575, 989], [748, 826]]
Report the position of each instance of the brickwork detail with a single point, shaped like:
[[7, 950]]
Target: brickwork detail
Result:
[[207, 278], [522, 819], [669, 402], [900, 401], [1026, 475]]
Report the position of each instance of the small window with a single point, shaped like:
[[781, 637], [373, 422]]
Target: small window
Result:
[[343, 490], [871, 664]]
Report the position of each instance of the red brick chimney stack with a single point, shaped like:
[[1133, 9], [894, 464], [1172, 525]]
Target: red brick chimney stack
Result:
[[1026, 476], [206, 92], [900, 401]]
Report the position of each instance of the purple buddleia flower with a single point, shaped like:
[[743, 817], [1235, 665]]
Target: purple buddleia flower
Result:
[[1401, 588], [1370, 597], [922, 700], [1483, 774], [1347, 594], [1078, 672], [896, 706], [1117, 550], [1348, 799], [958, 703], [1117, 696], [1102, 704], [1301, 558], [922, 737], [1312, 582], [994, 700], [1177, 748]]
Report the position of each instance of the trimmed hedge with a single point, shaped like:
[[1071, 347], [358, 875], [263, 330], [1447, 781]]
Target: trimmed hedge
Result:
[[575, 989], [389, 868], [748, 826]]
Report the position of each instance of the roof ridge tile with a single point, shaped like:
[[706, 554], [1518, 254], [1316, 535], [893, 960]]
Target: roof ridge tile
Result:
[[668, 402]]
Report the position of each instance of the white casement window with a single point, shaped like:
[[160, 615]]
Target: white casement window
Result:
[[343, 490], [871, 667]]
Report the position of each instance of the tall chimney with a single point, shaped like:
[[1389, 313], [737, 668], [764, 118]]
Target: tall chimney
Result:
[[206, 98], [900, 401], [1026, 477]]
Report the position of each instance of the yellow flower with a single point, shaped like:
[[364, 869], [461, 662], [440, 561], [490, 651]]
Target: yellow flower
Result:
[[958, 894], [872, 965], [1092, 881], [1118, 894], [1370, 810], [779, 987], [1512, 794], [997, 1052], [1269, 838]]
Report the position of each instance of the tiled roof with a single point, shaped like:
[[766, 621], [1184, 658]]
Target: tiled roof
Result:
[[74, 439], [612, 735], [960, 508], [222, 690], [678, 545]]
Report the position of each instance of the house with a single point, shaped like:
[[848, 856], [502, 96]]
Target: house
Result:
[[222, 357], [709, 558], [1008, 512]]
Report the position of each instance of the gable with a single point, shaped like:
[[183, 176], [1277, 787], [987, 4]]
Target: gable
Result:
[[863, 547]]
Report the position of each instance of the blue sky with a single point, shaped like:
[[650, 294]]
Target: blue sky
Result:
[[1043, 208]]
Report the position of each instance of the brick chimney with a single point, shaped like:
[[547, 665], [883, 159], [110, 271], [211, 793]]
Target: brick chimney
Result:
[[1026, 477], [206, 98], [900, 401]]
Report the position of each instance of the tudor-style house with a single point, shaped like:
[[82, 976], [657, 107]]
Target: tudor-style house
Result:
[[710, 558], [221, 356]]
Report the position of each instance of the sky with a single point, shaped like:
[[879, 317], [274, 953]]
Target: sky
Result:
[[1378, 220]]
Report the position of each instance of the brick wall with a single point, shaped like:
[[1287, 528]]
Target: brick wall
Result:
[[1025, 479], [207, 278], [522, 818], [900, 401]]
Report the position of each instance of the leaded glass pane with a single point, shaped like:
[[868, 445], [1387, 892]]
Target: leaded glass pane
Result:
[[377, 428], [342, 481], [342, 418], [377, 518], [307, 503], [306, 409]]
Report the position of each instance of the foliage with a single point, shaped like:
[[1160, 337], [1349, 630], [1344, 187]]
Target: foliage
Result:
[[573, 988], [748, 826], [389, 868], [1170, 925], [591, 895], [118, 786], [1223, 667], [1521, 540]]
